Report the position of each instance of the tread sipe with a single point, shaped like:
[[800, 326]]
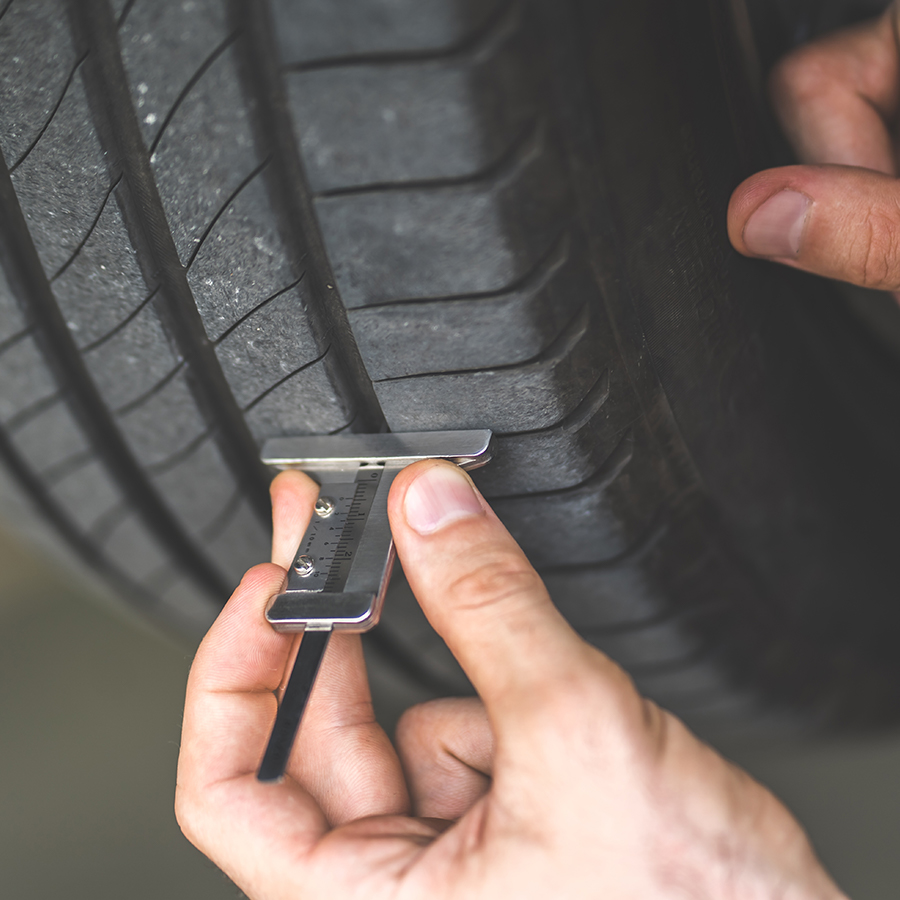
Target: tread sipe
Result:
[[226, 221]]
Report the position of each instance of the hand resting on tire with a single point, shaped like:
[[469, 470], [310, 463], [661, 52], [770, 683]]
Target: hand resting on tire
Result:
[[561, 781], [838, 214]]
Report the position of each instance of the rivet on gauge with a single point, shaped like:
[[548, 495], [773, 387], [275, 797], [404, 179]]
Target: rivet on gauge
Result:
[[304, 566], [324, 507]]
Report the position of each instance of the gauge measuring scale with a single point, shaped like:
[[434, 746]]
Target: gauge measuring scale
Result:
[[325, 555]]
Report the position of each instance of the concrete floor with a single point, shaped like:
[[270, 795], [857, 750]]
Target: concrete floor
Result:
[[90, 708]]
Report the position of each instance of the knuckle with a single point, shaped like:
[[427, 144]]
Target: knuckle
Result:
[[494, 579], [874, 253], [798, 75], [611, 694], [186, 813], [412, 723]]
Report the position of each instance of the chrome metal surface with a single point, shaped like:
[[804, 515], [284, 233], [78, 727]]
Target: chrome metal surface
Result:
[[349, 539], [324, 507], [468, 449], [343, 565]]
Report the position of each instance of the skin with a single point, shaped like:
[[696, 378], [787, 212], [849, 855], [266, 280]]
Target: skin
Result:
[[837, 100], [561, 780]]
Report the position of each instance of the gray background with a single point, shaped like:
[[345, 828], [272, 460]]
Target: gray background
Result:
[[90, 710]]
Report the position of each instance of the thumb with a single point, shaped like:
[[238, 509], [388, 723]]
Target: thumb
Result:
[[836, 221], [482, 596]]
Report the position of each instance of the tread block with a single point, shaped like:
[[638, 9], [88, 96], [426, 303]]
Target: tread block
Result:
[[242, 543], [404, 620], [163, 44], [192, 609], [673, 685], [591, 523], [164, 425], [34, 39], [50, 437], [606, 597], [528, 397], [501, 329], [569, 452], [194, 488], [103, 285], [367, 124], [205, 153], [242, 263], [266, 347], [11, 319], [305, 403], [441, 241], [316, 29], [135, 550], [133, 361], [88, 494], [657, 644], [25, 378], [62, 183]]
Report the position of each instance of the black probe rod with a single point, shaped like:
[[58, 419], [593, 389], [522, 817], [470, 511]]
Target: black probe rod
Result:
[[293, 703]]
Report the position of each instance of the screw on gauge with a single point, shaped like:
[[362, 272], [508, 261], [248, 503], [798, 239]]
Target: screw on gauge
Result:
[[304, 566], [324, 507]]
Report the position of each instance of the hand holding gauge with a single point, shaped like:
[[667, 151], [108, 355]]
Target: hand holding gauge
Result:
[[342, 568], [559, 779]]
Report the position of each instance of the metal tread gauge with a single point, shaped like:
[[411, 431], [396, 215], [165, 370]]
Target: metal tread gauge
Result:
[[342, 567]]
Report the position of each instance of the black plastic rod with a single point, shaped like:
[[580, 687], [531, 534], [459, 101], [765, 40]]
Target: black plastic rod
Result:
[[293, 703]]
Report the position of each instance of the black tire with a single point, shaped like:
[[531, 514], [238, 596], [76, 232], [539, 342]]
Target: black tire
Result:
[[221, 222]]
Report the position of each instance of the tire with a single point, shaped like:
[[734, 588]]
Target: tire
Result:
[[222, 222]]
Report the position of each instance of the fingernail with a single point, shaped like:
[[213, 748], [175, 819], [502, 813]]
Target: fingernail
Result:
[[775, 229], [439, 496]]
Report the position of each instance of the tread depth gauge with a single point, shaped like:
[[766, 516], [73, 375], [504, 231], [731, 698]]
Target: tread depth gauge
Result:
[[342, 567]]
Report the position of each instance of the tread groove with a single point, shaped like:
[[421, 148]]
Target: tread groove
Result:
[[298, 223], [537, 277], [25, 154], [658, 528], [560, 347], [24, 416], [603, 477], [192, 81], [158, 468], [30, 285], [256, 309], [493, 30], [671, 616], [499, 172], [123, 324], [281, 381], [220, 521], [14, 339], [221, 211], [132, 593], [147, 225], [108, 522], [132, 405], [88, 234], [593, 400], [67, 466], [124, 14]]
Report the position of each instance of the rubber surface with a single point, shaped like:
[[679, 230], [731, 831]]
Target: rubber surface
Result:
[[221, 222]]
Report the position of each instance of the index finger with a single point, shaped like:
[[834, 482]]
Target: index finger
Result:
[[835, 96]]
